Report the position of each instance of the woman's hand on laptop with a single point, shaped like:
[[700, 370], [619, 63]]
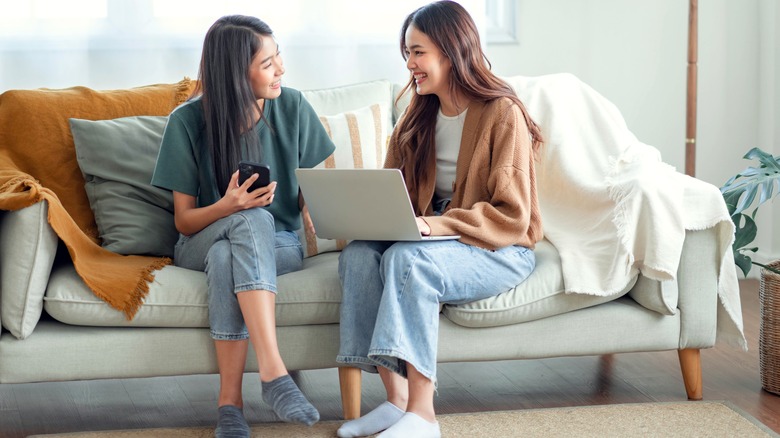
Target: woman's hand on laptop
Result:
[[423, 226]]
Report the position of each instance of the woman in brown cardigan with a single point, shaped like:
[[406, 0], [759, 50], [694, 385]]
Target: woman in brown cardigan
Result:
[[466, 147]]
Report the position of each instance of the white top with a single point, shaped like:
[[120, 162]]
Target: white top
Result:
[[449, 130]]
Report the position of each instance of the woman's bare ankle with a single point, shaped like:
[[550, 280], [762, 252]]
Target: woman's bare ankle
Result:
[[399, 401], [427, 414], [273, 371]]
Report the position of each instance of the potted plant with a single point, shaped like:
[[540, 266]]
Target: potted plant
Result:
[[740, 193]]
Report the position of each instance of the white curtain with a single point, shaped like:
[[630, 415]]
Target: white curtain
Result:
[[108, 44]]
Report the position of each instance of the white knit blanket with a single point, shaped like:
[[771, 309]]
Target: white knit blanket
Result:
[[609, 204]]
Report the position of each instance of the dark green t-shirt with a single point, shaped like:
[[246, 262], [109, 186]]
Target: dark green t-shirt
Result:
[[297, 139]]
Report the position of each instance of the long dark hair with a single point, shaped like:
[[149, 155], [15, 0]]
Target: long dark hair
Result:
[[452, 30], [229, 103]]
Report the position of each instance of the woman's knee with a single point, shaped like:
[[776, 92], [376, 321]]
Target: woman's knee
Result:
[[219, 257], [399, 256], [255, 221], [410, 263]]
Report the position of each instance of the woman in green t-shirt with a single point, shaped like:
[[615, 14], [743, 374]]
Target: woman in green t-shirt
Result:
[[242, 238]]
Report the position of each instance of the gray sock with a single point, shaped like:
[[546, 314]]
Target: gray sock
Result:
[[288, 401], [231, 423]]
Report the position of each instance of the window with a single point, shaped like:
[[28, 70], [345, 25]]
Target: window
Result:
[[29, 24], [119, 43], [24, 18]]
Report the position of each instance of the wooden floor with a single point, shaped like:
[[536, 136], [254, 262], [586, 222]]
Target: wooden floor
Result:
[[729, 374]]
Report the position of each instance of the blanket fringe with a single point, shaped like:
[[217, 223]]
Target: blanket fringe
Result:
[[18, 186], [183, 91], [142, 287], [129, 304]]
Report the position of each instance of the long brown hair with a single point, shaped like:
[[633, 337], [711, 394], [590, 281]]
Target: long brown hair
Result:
[[452, 30], [227, 96]]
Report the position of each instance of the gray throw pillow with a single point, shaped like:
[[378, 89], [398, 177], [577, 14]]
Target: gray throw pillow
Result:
[[117, 158]]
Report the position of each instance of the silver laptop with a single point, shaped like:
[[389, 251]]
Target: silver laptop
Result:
[[360, 204]]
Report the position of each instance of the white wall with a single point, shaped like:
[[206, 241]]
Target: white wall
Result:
[[635, 53], [770, 105]]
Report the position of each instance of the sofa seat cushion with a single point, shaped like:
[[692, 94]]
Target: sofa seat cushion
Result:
[[541, 295], [178, 298]]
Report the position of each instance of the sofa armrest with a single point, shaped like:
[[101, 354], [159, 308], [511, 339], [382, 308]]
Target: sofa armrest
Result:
[[28, 246], [697, 279]]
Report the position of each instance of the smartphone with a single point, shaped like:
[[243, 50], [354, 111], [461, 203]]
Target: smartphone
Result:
[[248, 168]]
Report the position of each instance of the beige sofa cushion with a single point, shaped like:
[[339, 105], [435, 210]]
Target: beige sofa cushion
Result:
[[178, 298], [28, 246], [540, 296]]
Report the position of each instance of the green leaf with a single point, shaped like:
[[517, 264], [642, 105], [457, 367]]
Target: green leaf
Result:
[[766, 159], [742, 189], [745, 230], [743, 262], [740, 193]]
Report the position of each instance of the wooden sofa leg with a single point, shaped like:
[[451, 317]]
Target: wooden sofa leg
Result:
[[690, 365], [350, 382]]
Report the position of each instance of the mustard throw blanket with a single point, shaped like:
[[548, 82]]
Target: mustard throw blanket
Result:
[[38, 162]]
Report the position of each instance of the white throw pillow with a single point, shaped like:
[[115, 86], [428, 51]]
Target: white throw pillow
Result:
[[336, 100]]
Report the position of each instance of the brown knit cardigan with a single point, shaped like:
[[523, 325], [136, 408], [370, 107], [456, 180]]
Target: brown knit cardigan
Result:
[[494, 201]]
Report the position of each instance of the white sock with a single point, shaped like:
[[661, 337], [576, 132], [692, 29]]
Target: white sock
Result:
[[382, 417], [412, 425]]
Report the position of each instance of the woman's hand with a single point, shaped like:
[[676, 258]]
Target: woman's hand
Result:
[[423, 226], [190, 219], [238, 197]]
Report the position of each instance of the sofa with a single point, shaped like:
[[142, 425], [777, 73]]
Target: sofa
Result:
[[55, 327]]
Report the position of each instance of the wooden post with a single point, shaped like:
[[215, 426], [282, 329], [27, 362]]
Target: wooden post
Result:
[[690, 109], [350, 383]]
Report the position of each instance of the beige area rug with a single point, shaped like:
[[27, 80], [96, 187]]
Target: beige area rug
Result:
[[678, 419]]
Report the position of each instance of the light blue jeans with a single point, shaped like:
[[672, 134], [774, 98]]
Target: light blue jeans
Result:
[[239, 253], [392, 293]]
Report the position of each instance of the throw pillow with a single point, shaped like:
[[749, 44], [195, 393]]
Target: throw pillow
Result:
[[28, 246], [660, 296], [117, 158], [335, 100], [361, 142]]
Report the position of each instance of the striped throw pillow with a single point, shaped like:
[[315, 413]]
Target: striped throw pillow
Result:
[[361, 143]]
